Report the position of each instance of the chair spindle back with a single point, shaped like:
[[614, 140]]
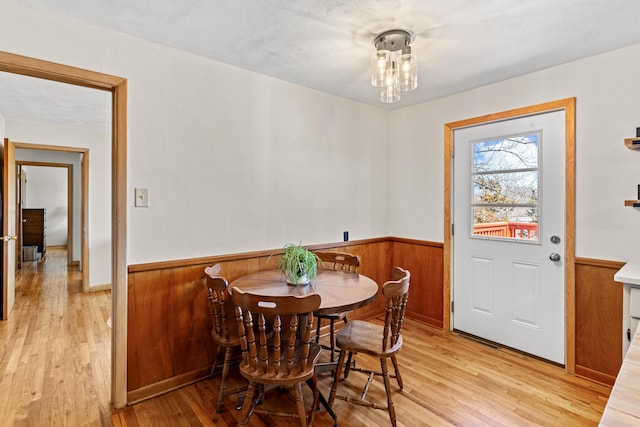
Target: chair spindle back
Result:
[[221, 308], [397, 293], [339, 261], [258, 355]]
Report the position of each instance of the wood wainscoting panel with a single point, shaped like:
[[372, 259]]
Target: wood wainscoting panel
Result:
[[598, 320], [169, 324], [424, 261], [169, 342]]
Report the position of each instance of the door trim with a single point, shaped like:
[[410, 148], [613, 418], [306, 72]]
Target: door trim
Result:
[[569, 107], [32, 67]]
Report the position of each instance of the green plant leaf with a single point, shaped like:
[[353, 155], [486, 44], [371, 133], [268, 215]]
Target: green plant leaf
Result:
[[296, 261]]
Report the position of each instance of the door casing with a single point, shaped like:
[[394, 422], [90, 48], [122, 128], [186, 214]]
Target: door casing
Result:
[[568, 105]]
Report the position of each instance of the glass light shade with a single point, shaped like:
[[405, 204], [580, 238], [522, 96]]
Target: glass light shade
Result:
[[390, 92], [408, 72], [391, 75], [379, 65]]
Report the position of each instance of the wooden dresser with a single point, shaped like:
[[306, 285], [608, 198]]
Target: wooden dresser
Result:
[[34, 229]]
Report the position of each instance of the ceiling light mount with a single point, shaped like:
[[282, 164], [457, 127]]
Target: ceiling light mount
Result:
[[393, 67], [394, 40]]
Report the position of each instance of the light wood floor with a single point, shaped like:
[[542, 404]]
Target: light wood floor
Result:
[[54, 371], [55, 359]]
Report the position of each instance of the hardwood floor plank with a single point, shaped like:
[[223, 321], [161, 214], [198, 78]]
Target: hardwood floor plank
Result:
[[53, 355], [55, 371]]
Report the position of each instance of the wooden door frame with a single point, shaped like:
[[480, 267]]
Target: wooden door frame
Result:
[[84, 208], [26, 66], [9, 206], [569, 107]]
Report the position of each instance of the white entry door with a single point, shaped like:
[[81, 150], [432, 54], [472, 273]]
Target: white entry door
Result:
[[509, 233]]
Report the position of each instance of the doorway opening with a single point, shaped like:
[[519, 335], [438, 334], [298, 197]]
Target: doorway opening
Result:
[[117, 86], [77, 207], [44, 210]]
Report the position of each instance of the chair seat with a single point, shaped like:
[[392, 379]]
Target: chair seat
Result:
[[233, 341], [276, 378], [333, 316], [359, 336]]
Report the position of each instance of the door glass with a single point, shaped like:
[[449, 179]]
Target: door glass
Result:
[[504, 179]]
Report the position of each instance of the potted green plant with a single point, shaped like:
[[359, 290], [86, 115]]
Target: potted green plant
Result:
[[298, 265]]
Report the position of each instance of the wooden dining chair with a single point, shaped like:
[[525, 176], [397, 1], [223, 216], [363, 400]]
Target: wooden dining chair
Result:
[[286, 359], [335, 261], [223, 331], [381, 341]]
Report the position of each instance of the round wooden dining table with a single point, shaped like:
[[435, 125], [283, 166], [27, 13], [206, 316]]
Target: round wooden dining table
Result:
[[339, 290]]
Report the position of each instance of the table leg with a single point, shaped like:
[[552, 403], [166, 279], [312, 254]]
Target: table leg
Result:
[[325, 404]]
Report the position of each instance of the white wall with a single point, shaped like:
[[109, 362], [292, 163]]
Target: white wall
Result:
[[215, 145], [46, 187], [99, 144], [218, 146], [606, 87]]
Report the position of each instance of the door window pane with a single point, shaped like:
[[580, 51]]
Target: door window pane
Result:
[[505, 178]]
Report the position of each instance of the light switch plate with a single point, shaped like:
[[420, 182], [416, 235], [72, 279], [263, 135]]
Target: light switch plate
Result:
[[142, 198]]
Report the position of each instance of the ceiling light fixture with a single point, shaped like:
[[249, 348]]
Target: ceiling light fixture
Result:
[[393, 67]]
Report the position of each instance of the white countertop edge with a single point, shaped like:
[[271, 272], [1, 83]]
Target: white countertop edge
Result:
[[630, 274]]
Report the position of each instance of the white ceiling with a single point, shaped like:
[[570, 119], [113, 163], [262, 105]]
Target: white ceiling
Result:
[[38, 100], [327, 44]]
